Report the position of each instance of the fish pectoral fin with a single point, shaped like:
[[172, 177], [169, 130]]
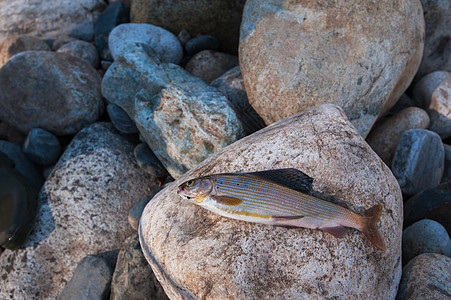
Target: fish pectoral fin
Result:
[[227, 200], [337, 231]]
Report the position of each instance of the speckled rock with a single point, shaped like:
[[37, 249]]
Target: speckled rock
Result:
[[425, 236], [427, 276], [418, 162], [16, 44], [197, 254], [61, 93], [231, 83], [360, 55], [220, 19], [437, 39], [384, 137], [82, 210], [82, 49], [165, 44], [133, 277], [209, 65], [49, 19], [181, 118]]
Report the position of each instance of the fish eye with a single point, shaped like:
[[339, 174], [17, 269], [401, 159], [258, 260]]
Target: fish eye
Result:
[[189, 182]]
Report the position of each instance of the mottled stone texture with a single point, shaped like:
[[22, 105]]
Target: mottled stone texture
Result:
[[360, 55], [53, 91], [219, 18], [16, 44], [82, 210], [181, 118], [197, 254]]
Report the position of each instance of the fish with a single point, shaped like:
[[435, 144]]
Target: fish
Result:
[[280, 198]]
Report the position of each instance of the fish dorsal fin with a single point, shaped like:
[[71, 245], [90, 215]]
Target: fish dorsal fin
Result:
[[290, 178], [226, 200]]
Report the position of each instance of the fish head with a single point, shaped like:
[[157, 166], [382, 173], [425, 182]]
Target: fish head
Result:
[[195, 189]]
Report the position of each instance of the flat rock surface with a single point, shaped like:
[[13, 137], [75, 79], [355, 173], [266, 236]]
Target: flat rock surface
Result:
[[196, 254]]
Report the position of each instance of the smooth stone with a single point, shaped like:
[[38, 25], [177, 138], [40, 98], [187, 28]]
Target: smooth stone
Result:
[[187, 245], [200, 43], [423, 89], [434, 204], [231, 84], [120, 119], [42, 147], [133, 278], [447, 172], [220, 19], [427, 276], [17, 205], [92, 277], [181, 118], [437, 38], [11, 134], [61, 93], [48, 19], [115, 14], [418, 162], [16, 44], [439, 109], [164, 43], [425, 236], [147, 161], [82, 210], [58, 43], [22, 164], [183, 36], [106, 64], [136, 211], [295, 55], [384, 137], [209, 65], [82, 49], [405, 101]]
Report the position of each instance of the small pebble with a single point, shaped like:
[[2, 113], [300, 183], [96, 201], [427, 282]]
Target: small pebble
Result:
[[200, 43], [439, 109], [184, 36], [422, 92], [147, 161], [106, 64], [121, 120], [425, 236], [209, 65], [58, 43], [42, 147], [447, 173], [418, 162], [82, 49], [136, 211]]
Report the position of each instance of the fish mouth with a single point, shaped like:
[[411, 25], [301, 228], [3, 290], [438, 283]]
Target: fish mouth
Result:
[[181, 192]]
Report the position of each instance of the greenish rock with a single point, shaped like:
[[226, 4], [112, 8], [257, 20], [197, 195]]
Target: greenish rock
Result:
[[17, 205], [181, 118]]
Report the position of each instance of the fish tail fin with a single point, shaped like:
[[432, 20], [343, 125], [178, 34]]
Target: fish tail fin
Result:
[[371, 217]]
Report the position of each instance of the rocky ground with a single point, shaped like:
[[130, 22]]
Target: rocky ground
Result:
[[105, 108]]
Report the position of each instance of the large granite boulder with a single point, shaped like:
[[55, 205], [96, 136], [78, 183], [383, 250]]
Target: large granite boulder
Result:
[[360, 55], [82, 210], [181, 118], [197, 254]]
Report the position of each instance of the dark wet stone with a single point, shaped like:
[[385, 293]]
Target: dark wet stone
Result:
[[42, 147], [147, 160], [120, 119], [203, 42]]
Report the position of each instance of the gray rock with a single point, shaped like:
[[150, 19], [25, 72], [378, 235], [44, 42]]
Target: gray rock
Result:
[[439, 109], [384, 136], [136, 211], [82, 210], [197, 254], [183, 36], [82, 49], [147, 161], [427, 276], [42, 147], [91, 279], [220, 19], [22, 164], [61, 93], [120, 119], [49, 19], [418, 162], [295, 55], [209, 65], [425, 236], [231, 84], [200, 43], [133, 277], [405, 101], [165, 44], [106, 64], [447, 172], [181, 118], [58, 43], [423, 89], [16, 44]]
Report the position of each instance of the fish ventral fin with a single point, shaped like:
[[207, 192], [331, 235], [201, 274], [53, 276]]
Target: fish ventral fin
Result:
[[337, 231], [291, 178], [226, 200]]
